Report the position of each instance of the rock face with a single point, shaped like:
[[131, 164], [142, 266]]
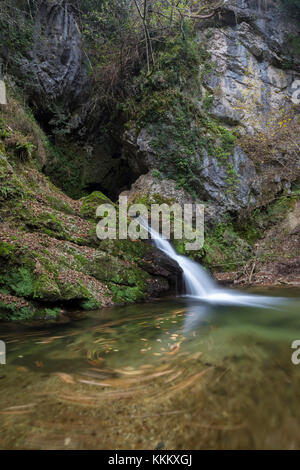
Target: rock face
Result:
[[215, 181], [251, 85], [250, 80], [150, 186], [138, 152], [55, 69]]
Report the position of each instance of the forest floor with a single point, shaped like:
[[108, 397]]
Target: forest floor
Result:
[[276, 260]]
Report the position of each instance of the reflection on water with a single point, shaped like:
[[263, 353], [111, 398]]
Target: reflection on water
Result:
[[177, 374]]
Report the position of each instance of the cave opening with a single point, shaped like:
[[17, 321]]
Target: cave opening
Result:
[[105, 167], [43, 117]]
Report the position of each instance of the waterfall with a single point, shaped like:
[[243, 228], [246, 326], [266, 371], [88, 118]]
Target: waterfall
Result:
[[196, 279], [199, 284]]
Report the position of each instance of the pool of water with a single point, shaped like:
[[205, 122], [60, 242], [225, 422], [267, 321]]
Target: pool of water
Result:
[[171, 374]]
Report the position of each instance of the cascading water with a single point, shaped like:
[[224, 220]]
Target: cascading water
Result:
[[198, 283]]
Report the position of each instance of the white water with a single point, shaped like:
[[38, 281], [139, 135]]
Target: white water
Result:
[[199, 284]]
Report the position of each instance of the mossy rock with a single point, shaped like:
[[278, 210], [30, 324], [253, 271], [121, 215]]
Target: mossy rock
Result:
[[126, 249], [50, 256], [6, 249], [110, 269]]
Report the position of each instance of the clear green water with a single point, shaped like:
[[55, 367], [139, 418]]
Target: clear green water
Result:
[[170, 374]]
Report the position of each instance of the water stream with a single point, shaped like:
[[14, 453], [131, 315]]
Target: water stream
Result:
[[199, 284], [209, 370]]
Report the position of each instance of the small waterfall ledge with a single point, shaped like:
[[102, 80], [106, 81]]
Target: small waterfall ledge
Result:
[[199, 284]]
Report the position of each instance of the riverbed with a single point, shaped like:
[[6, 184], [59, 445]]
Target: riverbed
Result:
[[171, 374]]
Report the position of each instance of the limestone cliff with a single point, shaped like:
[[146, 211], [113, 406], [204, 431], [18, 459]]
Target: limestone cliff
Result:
[[247, 84]]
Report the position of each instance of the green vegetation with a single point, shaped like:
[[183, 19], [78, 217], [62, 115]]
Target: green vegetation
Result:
[[91, 202], [167, 105], [11, 312], [224, 249], [49, 253], [126, 294], [12, 36], [146, 71], [260, 220]]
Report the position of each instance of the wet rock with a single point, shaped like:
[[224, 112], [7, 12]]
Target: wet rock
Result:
[[157, 263]]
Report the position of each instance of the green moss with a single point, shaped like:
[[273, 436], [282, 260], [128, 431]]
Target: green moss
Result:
[[122, 294], [180, 136], [18, 39], [52, 223], [181, 127], [66, 168], [14, 311], [91, 202], [6, 249], [255, 225], [90, 304], [52, 313], [125, 249], [48, 222], [45, 287], [11, 187], [20, 281]]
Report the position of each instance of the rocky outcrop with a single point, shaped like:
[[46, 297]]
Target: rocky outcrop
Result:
[[157, 189], [250, 86], [215, 123], [253, 75], [50, 257], [54, 71]]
